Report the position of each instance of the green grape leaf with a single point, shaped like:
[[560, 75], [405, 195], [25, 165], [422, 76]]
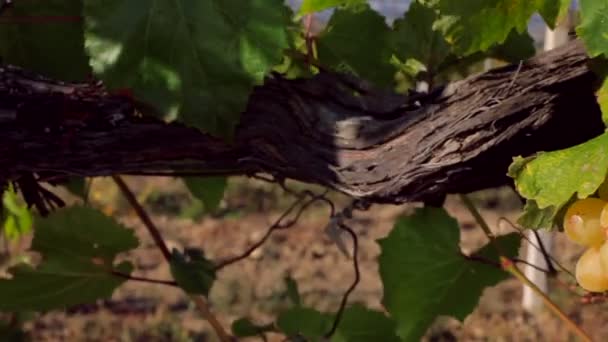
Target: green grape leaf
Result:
[[78, 247], [552, 178], [360, 324], [45, 36], [550, 217], [602, 100], [344, 46], [416, 39], [491, 21], [58, 282], [82, 232], [244, 327], [309, 6], [210, 190], [425, 274], [594, 26], [18, 218], [193, 272], [305, 322], [199, 58], [292, 291], [534, 217]]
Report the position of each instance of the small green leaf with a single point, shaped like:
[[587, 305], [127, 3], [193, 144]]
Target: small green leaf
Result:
[[192, 271], [243, 327], [552, 178], [344, 46], [18, 218], [594, 26], [51, 47], [360, 324], [425, 274], [309, 6], [305, 322], [292, 291], [210, 190], [198, 58]]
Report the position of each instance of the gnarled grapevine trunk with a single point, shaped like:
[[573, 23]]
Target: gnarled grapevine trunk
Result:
[[331, 130]]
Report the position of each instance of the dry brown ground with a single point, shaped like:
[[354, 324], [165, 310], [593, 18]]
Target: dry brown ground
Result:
[[255, 287]]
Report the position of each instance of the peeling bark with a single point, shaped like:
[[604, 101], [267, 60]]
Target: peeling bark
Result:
[[331, 130]]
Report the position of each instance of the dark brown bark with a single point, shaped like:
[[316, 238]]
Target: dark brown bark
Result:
[[330, 130]]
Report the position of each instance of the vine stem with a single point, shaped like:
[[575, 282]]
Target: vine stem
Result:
[[199, 301], [352, 287], [554, 261], [143, 280], [509, 266], [482, 223]]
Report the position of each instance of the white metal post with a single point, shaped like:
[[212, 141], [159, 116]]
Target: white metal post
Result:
[[530, 301]]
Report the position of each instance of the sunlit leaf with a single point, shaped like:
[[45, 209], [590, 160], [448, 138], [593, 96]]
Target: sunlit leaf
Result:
[[594, 26], [602, 100], [552, 178], [18, 218], [476, 25], [199, 57]]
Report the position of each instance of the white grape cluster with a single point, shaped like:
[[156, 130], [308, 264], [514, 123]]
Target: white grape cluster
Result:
[[586, 223]]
